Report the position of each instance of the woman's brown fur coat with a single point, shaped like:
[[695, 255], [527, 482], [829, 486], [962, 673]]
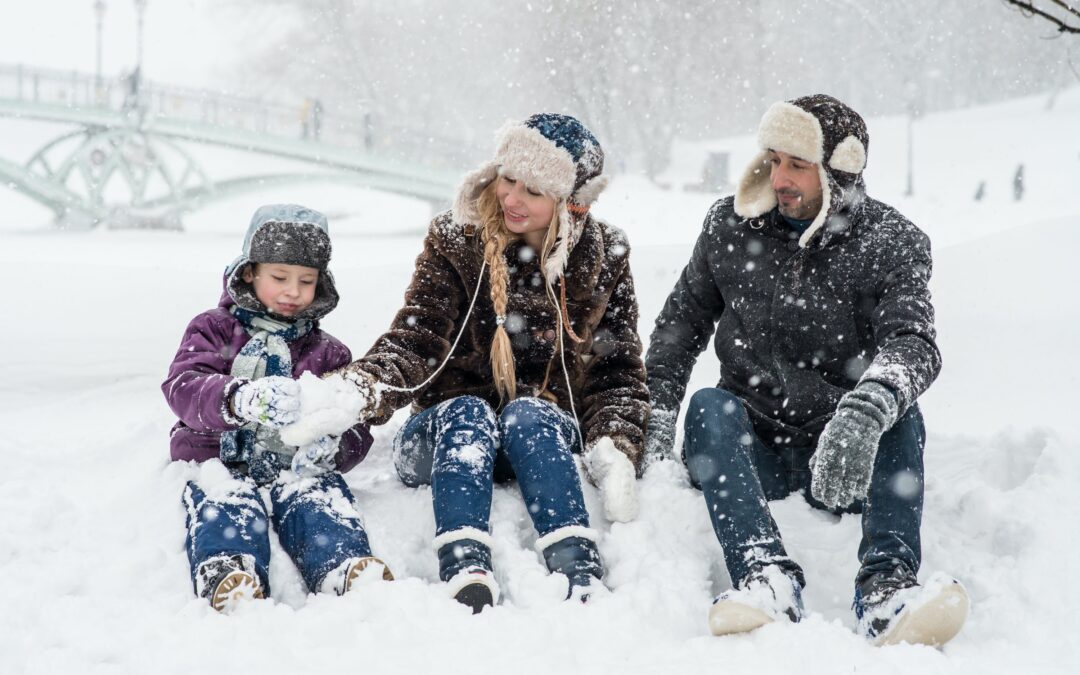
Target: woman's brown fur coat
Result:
[[606, 372]]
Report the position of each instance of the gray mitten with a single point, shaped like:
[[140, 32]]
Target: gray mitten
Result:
[[660, 438], [844, 461]]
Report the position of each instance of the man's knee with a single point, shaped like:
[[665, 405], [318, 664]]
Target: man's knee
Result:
[[716, 427], [712, 412]]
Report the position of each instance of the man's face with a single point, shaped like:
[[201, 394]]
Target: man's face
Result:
[[797, 184]]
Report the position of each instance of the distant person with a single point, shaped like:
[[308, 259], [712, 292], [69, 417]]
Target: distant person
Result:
[[817, 295], [517, 347], [133, 92], [231, 384], [305, 119], [316, 119], [1018, 183]]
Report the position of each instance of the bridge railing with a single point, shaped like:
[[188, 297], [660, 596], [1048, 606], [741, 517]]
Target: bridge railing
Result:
[[306, 119]]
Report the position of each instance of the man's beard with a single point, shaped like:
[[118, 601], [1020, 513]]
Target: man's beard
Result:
[[802, 209]]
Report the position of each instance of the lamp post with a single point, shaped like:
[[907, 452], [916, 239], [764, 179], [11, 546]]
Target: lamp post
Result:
[[99, 15], [140, 11], [913, 93]]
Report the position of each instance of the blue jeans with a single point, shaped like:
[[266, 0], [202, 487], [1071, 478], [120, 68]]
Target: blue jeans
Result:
[[461, 448], [315, 520], [739, 474]]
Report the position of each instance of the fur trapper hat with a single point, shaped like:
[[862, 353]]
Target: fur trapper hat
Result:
[[818, 129], [554, 154], [286, 234]]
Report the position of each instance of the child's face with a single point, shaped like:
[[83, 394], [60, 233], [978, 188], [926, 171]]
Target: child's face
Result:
[[283, 289]]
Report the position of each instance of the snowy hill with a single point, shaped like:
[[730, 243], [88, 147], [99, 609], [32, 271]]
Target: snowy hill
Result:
[[93, 576]]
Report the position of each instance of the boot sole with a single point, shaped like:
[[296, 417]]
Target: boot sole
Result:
[[728, 618], [933, 623], [476, 596], [233, 589], [358, 568]]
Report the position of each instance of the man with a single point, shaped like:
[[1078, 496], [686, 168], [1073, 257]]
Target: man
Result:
[[825, 333]]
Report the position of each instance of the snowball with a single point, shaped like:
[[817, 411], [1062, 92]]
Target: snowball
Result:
[[328, 406]]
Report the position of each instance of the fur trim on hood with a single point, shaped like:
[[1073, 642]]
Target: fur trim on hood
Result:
[[291, 235]]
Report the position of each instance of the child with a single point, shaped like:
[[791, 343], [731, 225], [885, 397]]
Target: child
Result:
[[231, 384]]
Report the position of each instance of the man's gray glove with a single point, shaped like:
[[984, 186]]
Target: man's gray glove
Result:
[[844, 461], [660, 438]]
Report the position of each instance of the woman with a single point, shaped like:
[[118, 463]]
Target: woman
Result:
[[517, 344]]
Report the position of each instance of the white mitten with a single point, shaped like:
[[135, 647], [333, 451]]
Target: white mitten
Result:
[[315, 458], [613, 472], [271, 401], [328, 407]]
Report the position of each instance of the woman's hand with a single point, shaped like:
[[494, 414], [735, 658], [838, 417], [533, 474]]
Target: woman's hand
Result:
[[329, 406], [611, 470]]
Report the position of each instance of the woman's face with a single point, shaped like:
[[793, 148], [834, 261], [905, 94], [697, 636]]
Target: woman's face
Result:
[[525, 210]]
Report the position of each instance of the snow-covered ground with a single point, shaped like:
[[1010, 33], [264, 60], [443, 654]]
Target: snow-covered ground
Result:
[[93, 576]]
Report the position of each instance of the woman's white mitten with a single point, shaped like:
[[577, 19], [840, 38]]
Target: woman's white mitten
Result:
[[614, 474]]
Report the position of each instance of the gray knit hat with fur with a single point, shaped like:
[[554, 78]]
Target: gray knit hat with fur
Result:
[[286, 234]]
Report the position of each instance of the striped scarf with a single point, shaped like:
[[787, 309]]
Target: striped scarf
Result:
[[265, 354]]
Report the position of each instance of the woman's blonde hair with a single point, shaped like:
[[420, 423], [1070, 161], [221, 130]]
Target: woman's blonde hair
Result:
[[495, 237]]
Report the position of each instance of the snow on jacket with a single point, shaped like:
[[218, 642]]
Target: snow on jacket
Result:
[[607, 376], [797, 327], [199, 386]]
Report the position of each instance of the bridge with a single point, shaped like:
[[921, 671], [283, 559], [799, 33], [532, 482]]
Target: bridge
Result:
[[123, 160]]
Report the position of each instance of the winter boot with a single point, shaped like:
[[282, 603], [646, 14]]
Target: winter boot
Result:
[[345, 576], [465, 566], [893, 608], [765, 595], [571, 551], [227, 580]]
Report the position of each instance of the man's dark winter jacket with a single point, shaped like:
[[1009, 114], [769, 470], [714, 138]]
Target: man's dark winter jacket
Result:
[[795, 327]]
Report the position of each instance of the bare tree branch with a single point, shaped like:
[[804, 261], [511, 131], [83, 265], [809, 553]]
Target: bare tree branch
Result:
[[1028, 8]]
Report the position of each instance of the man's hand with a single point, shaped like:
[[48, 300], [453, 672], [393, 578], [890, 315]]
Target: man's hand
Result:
[[660, 439], [842, 466]]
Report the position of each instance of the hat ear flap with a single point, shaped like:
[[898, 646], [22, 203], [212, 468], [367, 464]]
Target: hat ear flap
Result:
[[464, 209], [590, 190], [556, 261], [754, 194], [849, 156]]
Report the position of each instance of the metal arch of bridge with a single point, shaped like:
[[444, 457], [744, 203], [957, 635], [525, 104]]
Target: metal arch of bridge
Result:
[[125, 142]]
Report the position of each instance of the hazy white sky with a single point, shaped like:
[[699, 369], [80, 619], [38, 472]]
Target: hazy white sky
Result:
[[186, 41]]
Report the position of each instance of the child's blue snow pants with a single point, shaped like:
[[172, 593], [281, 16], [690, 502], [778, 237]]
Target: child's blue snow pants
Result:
[[315, 519]]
